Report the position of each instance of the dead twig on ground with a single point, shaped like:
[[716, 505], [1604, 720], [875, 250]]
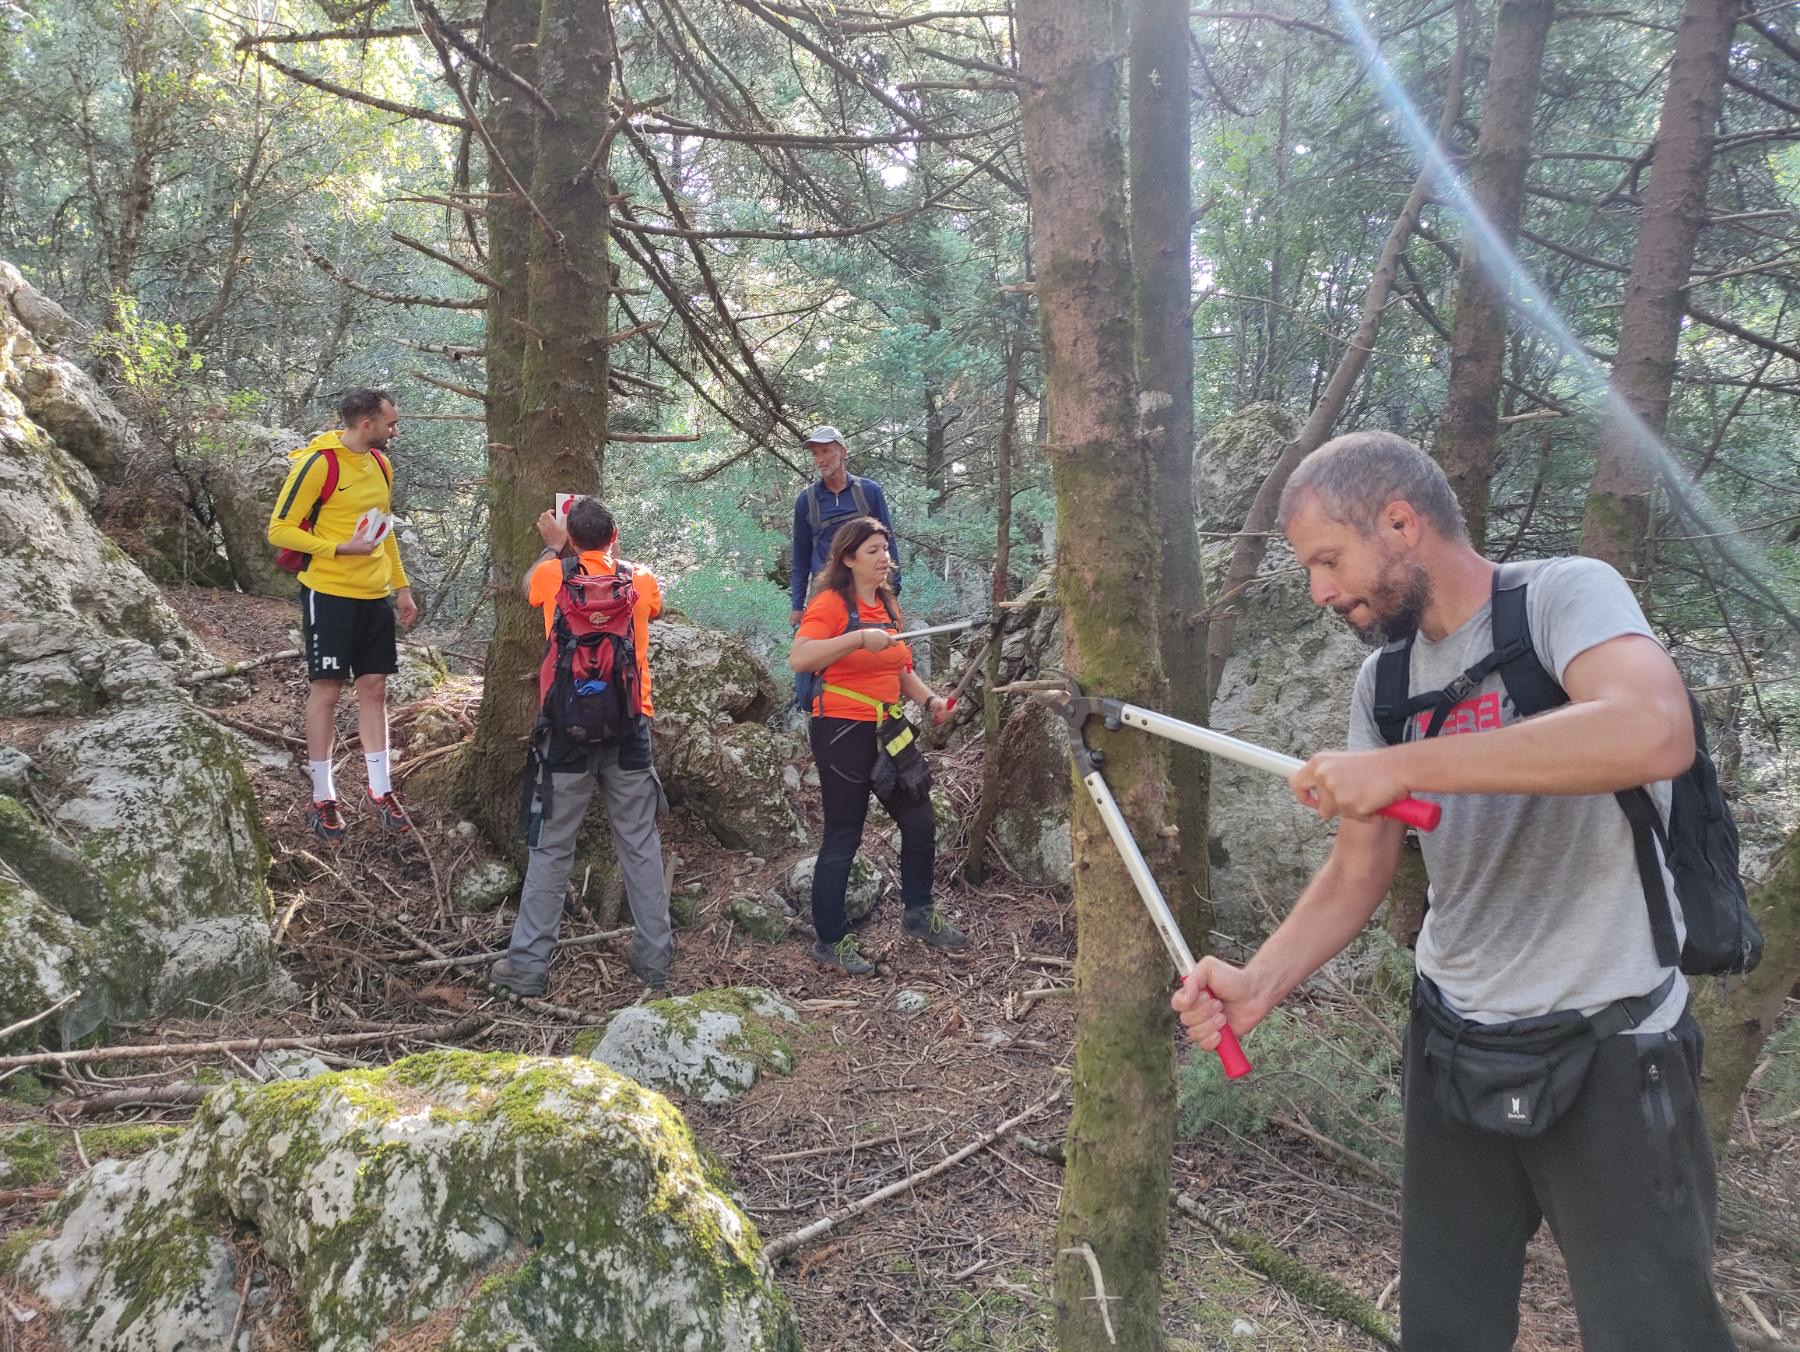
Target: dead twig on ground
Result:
[[154, 1050], [785, 1244]]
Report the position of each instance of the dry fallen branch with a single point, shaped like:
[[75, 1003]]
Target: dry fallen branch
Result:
[[39, 1017], [148, 1051], [233, 668], [785, 1244]]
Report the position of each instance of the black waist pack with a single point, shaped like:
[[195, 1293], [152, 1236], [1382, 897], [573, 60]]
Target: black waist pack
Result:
[[1516, 1078], [901, 769]]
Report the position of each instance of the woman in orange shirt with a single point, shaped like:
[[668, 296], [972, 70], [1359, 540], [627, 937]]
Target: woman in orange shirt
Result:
[[865, 672]]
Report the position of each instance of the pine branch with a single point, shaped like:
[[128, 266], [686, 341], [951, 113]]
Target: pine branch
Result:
[[389, 297], [356, 96]]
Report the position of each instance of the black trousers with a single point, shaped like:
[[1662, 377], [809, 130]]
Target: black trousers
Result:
[[1625, 1179], [844, 751]]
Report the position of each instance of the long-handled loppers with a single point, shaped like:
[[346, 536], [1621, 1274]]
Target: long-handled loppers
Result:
[[1065, 697]]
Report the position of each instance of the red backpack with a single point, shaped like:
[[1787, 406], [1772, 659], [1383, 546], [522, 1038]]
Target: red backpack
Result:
[[292, 560], [588, 681]]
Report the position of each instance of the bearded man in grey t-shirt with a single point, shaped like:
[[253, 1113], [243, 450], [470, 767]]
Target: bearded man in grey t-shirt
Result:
[[1536, 909]]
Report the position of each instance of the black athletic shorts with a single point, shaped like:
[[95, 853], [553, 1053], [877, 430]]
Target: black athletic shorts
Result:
[[346, 636]]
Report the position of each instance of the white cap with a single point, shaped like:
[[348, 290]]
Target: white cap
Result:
[[823, 433]]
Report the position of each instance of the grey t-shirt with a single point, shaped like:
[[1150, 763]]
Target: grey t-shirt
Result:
[[1536, 904]]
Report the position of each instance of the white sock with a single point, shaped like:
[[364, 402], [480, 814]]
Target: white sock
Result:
[[324, 791], [377, 762]]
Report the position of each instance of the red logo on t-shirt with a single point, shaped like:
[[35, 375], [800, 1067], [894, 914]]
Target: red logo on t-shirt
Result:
[[1472, 715]]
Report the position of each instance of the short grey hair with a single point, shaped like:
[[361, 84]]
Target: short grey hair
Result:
[[1354, 476]]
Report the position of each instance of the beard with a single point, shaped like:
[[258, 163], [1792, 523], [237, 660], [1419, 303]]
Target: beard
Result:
[[1395, 603]]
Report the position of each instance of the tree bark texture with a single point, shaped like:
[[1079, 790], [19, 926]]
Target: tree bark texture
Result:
[[547, 353], [1471, 419], [1162, 226], [508, 696], [1737, 1025], [1253, 540], [1115, 1191], [975, 863], [1616, 525]]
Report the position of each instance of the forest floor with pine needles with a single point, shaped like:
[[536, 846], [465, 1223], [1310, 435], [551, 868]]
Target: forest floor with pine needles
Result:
[[961, 1261]]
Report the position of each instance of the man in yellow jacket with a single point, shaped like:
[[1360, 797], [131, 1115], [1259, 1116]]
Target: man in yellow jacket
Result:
[[352, 589]]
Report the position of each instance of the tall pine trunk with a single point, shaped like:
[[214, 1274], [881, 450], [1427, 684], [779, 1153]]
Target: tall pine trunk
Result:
[[509, 695], [1115, 1188], [1162, 225], [553, 346], [1616, 526], [1466, 432]]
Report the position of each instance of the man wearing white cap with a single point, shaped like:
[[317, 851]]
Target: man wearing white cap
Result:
[[827, 503]]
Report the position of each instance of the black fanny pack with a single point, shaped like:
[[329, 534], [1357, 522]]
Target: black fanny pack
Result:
[[900, 767], [1516, 1078]]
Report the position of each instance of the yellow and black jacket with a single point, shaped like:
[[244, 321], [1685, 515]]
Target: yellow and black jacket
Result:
[[361, 485]]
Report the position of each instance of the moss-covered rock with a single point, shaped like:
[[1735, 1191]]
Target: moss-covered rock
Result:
[[525, 1202], [239, 467], [1032, 823], [482, 886], [711, 1046], [705, 676], [53, 870], [756, 920], [27, 1156], [729, 775], [860, 895]]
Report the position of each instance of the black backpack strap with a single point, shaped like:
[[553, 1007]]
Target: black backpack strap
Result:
[[1393, 675], [1531, 688], [858, 496], [814, 513], [1647, 831]]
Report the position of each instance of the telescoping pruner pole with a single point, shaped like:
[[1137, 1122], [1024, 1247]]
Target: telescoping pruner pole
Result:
[[1066, 698]]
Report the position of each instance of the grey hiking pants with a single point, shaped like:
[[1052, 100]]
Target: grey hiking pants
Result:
[[634, 799]]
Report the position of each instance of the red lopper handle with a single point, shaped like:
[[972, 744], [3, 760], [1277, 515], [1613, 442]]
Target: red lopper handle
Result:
[[1414, 812], [1231, 1056]]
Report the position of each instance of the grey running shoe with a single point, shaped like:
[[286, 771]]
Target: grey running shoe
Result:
[[390, 812], [924, 923], [843, 955], [326, 821], [505, 979]]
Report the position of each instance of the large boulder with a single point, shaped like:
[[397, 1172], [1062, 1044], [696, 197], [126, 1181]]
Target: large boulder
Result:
[[711, 1046], [1231, 460], [861, 893], [1286, 687], [53, 391], [471, 1201], [161, 905], [729, 775], [706, 676], [240, 467], [54, 562], [716, 756], [1032, 823]]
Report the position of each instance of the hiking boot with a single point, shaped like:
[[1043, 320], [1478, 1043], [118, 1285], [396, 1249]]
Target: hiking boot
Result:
[[505, 979], [843, 955], [326, 821], [656, 978], [391, 812], [924, 923]]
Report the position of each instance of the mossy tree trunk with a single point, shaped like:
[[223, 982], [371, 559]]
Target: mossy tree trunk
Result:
[[1467, 432], [975, 863], [1162, 224], [1115, 1190], [547, 356], [1616, 525], [1737, 1026]]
